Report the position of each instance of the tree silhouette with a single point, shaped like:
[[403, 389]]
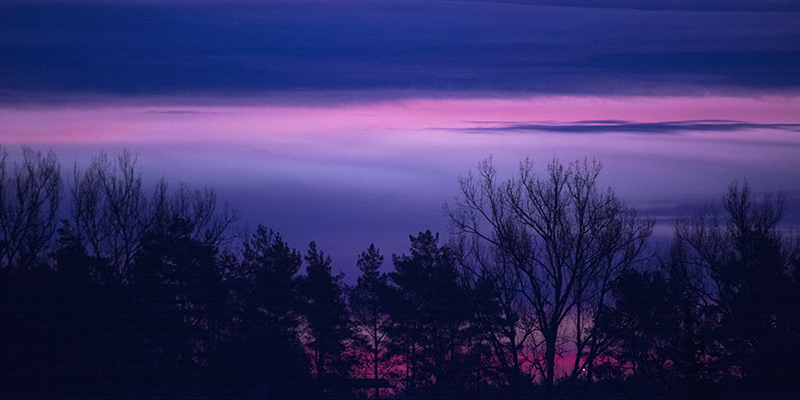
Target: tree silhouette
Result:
[[262, 347], [328, 321], [369, 313], [30, 195], [111, 211], [501, 314], [140, 295], [644, 323], [431, 313], [31, 352], [179, 291], [566, 239], [744, 268]]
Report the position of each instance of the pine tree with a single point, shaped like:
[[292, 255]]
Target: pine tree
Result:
[[327, 321]]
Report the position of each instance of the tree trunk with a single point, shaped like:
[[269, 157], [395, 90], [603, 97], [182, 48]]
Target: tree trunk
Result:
[[375, 361], [550, 361]]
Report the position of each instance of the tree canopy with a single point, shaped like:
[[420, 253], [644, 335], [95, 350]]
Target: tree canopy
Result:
[[545, 288]]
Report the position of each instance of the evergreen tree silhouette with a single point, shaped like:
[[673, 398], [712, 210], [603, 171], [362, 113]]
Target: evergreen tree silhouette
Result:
[[368, 307], [262, 351], [328, 322], [431, 314]]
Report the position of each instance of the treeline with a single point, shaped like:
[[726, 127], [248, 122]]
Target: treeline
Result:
[[546, 288]]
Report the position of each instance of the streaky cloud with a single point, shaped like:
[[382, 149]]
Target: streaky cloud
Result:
[[664, 5], [616, 126], [177, 112]]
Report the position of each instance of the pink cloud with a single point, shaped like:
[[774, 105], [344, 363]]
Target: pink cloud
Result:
[[137, 124]]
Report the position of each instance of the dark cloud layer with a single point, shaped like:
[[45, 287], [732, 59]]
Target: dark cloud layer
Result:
[[614, 126], [147, 48], [684, 5]]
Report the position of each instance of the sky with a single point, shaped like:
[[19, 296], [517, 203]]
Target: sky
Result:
[[350, 122]]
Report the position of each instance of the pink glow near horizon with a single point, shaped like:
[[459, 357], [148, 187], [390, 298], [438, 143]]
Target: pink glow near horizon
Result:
[[394, 145], [125, 124]]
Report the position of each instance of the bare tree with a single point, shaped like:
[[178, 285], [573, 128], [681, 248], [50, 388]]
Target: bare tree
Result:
[[111, 211], [30, 194], [566, 240], [211, 226]]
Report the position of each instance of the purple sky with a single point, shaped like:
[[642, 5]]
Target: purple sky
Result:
[[349, 122]]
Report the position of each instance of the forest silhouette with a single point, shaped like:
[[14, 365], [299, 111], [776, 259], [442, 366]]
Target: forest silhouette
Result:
[[547, 287]]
